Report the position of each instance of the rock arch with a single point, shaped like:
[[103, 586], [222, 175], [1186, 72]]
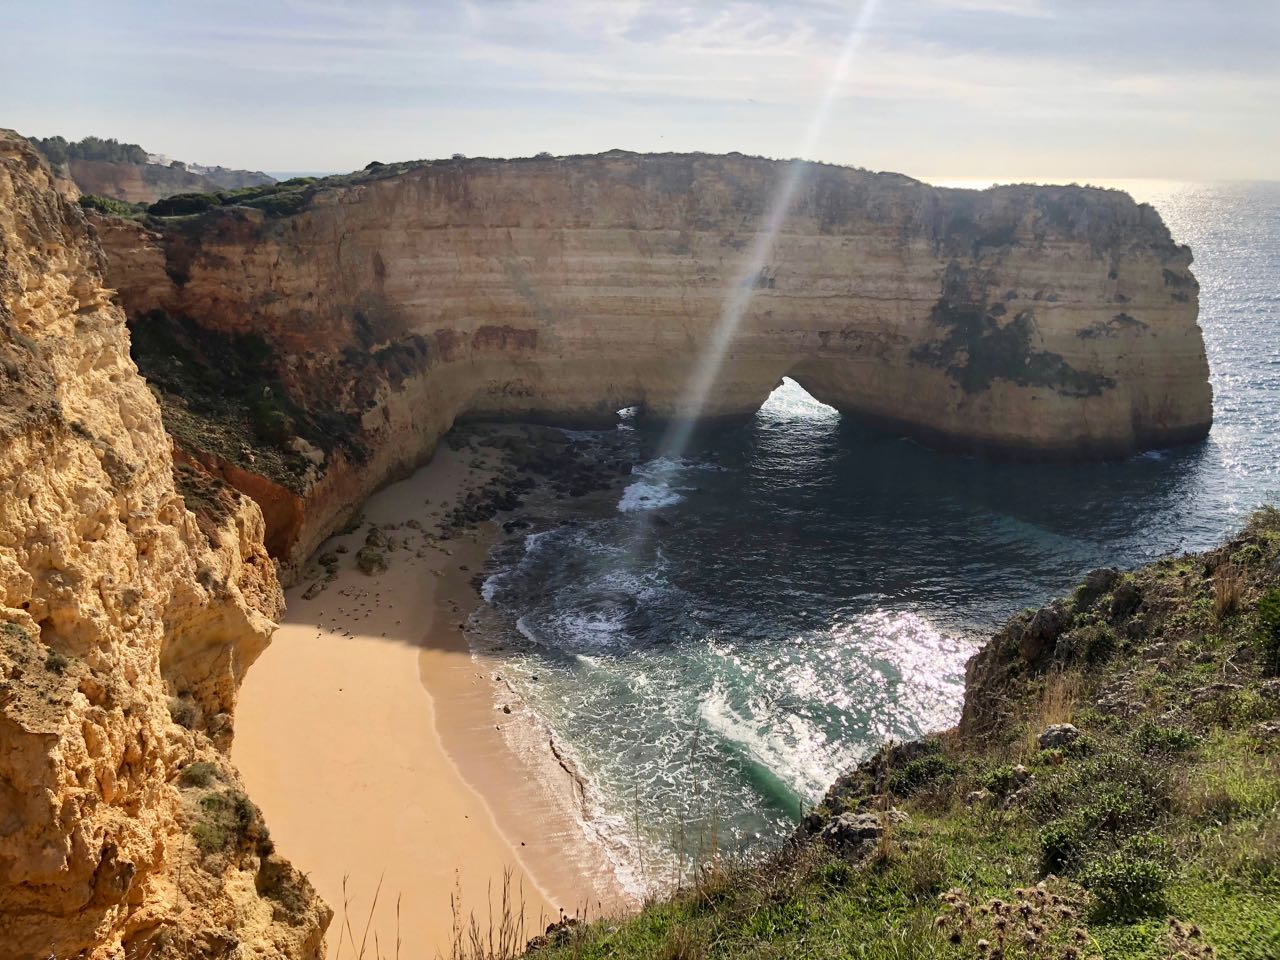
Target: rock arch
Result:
[[1020, 320]]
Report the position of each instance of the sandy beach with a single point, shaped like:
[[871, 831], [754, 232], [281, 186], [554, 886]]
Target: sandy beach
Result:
[[373, 741]]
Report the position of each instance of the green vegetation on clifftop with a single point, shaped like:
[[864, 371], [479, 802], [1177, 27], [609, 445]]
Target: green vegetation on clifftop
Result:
[[1113, 791], [273, 199]]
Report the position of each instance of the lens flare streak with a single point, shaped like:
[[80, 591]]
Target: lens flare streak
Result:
[[742, 290]]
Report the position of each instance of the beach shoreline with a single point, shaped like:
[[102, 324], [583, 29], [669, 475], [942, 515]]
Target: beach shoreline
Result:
[[379, 749]]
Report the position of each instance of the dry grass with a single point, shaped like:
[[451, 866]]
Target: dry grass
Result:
[[346, 934], [1057, 704], [1228, 590], [1229, 787], [885, 846], [684, 942], [501, 937]]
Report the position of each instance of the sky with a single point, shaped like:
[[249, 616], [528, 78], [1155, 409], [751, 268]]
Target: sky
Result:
[[993, 89]]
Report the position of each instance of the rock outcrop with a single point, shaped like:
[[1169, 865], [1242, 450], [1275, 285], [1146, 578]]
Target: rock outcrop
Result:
[[129, 610], [1019, 320]]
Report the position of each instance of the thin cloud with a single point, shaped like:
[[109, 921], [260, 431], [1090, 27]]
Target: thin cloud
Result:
[[306, 83]]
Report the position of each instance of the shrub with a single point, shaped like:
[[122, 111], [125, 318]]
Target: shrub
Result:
[[230, 820], [1060, 848], [1001, 780], [927, 771], [1094, 806], [1129, 883], [198, 774], [1263, 521], [1233, 709], [183, 204], [276, 880], [279, 204], [1152, 738], [58, 150], [55, 662], [270, 422], [184, 712], [1247, 555], [1269, 631], [1099, 645], [107, 205]]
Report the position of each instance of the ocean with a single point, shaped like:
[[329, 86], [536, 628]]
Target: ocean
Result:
[[717, 639]]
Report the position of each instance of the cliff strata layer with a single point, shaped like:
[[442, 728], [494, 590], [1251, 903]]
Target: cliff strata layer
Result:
[[129, 610], [1020, 320]]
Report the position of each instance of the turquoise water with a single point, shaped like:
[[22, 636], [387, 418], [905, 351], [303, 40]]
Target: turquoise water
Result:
[[717, 640]]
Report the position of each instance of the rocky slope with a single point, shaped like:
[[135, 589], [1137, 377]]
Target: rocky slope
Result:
[[379, 308], [129, 610]]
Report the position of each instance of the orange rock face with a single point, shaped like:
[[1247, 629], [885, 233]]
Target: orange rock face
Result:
[[1024, 321]]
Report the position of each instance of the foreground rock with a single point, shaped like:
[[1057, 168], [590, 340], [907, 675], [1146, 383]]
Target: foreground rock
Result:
[[308, 355], [129, 611]]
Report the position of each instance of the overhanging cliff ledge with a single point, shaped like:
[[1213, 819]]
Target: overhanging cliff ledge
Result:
[[319, 341]]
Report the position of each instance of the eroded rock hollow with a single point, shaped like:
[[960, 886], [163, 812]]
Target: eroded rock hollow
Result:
[[378, 308]]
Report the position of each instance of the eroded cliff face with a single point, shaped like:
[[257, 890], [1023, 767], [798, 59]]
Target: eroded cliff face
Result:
[[129, 611], [1028, 321]]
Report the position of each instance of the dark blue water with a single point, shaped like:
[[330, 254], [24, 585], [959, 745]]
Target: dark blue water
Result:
[[716, 642]]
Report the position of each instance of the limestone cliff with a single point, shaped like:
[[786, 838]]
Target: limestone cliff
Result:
[[1032, 321], [129, 611]]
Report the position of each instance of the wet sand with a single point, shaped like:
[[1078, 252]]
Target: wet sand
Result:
[[379, 750]]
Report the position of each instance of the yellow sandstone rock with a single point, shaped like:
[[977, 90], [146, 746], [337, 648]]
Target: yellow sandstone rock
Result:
[[128, 615]]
